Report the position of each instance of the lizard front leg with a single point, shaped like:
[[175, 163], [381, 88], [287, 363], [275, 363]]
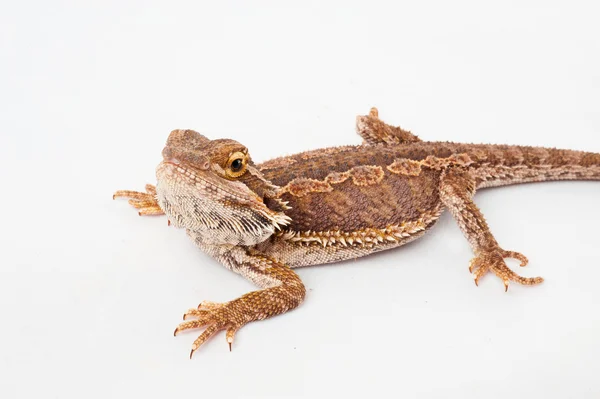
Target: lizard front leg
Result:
[[282, 290], [145, 202], [456, 192]]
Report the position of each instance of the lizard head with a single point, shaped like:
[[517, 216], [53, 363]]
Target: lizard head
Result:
[[213, 188]]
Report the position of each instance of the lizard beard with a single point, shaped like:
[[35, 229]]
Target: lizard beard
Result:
[[227, 213]]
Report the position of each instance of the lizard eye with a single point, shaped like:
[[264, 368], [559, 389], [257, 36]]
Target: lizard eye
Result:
[[236, 165]]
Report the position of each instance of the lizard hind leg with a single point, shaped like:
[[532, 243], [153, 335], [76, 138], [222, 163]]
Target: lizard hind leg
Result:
[[456, 191], [374, 131]]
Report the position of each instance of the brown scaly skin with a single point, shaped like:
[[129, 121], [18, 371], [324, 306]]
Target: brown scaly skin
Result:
[[333, 204]]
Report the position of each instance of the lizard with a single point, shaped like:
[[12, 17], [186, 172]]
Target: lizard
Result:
[[328, 205]]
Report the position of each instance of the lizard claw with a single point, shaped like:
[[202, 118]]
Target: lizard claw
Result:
[[494, 260], [215, 317], [208, 305], [145, 202]]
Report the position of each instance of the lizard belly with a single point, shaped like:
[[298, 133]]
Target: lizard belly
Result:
[[315, 248]]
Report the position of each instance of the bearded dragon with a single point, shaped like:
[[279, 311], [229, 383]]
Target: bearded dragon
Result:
[[333, 204]]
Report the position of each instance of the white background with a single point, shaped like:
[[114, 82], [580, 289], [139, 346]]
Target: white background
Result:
[[90, 292]]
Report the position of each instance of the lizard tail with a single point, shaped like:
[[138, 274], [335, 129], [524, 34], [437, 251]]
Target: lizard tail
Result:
[[504, 165]]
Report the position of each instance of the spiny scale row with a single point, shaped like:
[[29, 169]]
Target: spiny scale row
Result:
[[364, 237]]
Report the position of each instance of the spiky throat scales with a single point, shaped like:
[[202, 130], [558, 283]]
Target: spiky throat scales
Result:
[[217, 214]]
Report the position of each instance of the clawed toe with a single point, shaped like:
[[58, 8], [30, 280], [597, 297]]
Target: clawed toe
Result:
[[194, 313], [215, 317], [515, 255], [482, 268], [145, 202], [209, 305], [494, 261]]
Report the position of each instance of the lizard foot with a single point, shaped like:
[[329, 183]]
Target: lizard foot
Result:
[[494, 260], [145, 202], [215, 317]]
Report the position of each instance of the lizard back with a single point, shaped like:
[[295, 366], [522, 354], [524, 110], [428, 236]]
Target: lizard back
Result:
[[354, 187]]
